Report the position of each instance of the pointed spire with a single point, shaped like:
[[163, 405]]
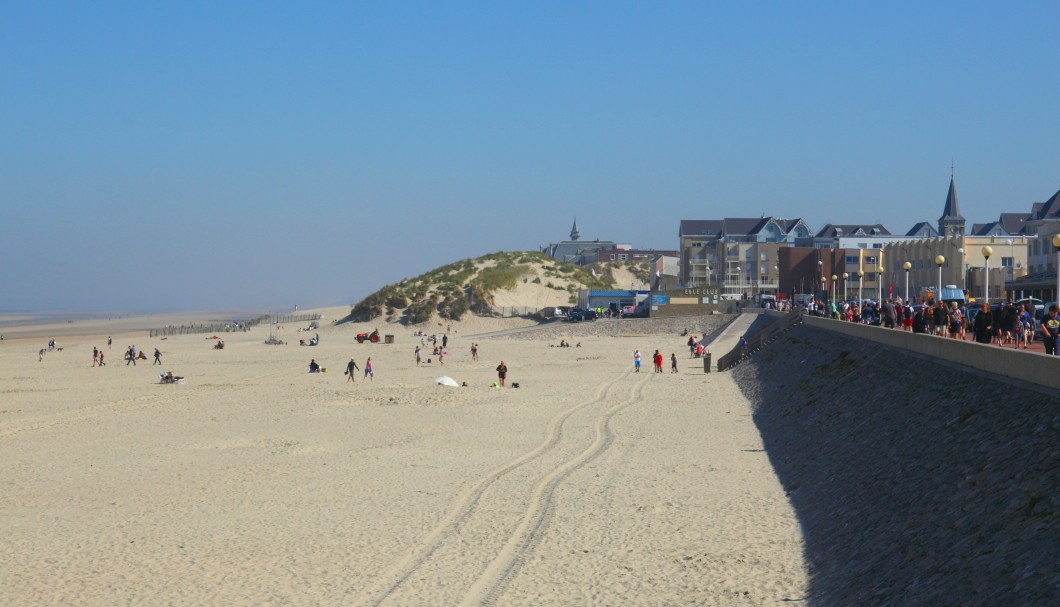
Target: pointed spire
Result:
[[952, 210], [574, 231], [952, 222]]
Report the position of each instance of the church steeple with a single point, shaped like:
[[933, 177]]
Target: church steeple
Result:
[[952, 222], [574, 231]]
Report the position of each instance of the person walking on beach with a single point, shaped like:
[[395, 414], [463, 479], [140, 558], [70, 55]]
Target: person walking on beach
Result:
[[417, 356], [158, 357], [673, 362], [369, 372], [502, 372], [445, 340], [636, 361], [95, 356], [474, 351], [352, 366], [658, 360], [40, 355], [101, 363], [109, 342]]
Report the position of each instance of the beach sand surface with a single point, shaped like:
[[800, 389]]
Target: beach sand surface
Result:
[[257, 483]]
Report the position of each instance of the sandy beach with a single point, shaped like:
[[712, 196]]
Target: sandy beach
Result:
[[257, 483]]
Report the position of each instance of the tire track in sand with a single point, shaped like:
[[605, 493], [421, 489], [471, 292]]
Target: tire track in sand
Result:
[[464, 506], [534, 521]]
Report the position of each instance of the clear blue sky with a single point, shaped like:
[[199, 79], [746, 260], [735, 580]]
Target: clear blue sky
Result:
[[263, 154]]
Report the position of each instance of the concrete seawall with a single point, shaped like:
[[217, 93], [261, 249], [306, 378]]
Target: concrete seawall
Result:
[[915, 483], [1036, 369]]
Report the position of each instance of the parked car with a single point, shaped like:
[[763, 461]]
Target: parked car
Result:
[[576, 315]]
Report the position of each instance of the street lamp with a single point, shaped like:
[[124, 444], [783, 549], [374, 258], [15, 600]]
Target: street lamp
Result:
[[987, 252], [846, 275], [834, 278], [907, 266], [861, 278], [939, 260], [879, 287], [1056, 245], [964, 269]]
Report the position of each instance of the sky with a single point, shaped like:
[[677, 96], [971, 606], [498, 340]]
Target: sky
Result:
[[259, 155]]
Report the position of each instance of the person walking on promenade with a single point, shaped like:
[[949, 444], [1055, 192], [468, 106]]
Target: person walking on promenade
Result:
[[982, 328], [658, 360], [636, 361], [1027, 322], [1051, 330], [673, 362], [369, 371], [888, 314], [352, 366], [954, 320], [158, 357], [502, 372]]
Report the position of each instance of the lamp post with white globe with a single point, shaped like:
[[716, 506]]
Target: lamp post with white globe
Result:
[[939, 260], [834, 278], [846, 275], [907, 266], [987, 252]]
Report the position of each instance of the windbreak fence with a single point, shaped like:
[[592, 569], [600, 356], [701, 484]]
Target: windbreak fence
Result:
[[231, 326]]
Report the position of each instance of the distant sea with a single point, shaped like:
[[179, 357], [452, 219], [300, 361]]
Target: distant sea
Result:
[[21, 318]]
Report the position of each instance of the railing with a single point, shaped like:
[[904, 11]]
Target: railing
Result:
[[759, 339], [231, 326]]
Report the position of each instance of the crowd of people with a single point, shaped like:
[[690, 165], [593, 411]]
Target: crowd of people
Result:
[[1004, 324]]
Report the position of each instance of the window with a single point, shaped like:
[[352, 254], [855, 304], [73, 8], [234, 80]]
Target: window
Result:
[[877, 245], [1006, 262], [612, 257], [870, 259], [764, 269], [765, 256], [852, 260]]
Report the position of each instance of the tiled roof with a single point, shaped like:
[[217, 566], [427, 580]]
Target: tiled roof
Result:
[[833, 230], [1014, 222], [923, 229], [700, 227]]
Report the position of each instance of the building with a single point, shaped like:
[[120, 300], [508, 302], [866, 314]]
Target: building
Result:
[[577, 251], [1043, 222], [739, 255], [965, 262]]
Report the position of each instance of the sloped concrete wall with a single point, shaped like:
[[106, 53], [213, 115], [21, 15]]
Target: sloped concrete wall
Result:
[[916, 483]]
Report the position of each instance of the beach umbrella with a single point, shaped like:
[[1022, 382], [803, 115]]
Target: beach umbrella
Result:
[[446, 381]]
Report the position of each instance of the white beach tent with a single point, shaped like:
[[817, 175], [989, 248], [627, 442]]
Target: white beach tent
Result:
[[446, 381]]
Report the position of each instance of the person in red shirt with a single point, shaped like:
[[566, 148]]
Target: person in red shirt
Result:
[[658, 362]]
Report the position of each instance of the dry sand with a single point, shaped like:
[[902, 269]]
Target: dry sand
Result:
[[257, 483]]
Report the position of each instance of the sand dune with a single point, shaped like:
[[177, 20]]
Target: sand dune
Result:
[[256, 483]]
